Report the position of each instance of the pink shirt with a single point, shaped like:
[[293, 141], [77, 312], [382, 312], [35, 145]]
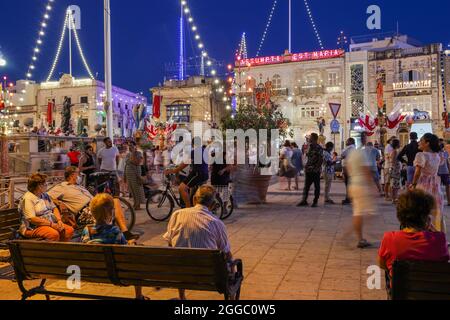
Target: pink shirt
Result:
[[423, 246]]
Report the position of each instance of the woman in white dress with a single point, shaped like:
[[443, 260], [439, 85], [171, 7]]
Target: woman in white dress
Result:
[[426, 177]]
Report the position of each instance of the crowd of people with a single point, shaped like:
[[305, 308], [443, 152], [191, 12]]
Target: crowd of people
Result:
[[69, 212], [420, 165]]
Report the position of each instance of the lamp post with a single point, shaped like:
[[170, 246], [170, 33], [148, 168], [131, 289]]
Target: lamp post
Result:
[[108, 73]]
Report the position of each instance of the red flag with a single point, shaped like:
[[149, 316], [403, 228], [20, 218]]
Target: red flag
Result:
[[157, 101], [50, 113], [380, 95]]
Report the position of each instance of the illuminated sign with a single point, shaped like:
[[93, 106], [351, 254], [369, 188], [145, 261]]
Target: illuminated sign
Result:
[[296, 57], [421, 84]]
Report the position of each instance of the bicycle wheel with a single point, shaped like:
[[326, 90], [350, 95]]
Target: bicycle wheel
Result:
[[160, 205], [228, 208], [128, 212], [218, 208]]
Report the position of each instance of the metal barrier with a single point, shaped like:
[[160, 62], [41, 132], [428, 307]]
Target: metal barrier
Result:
[[12, 190]]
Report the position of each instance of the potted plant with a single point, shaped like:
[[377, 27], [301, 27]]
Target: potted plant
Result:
[[250, 186]]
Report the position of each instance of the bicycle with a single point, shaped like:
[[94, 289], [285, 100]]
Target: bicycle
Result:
[[161, 203], [224, 193], [105, 182]]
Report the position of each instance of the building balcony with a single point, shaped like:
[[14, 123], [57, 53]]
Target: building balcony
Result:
[[310, 91]]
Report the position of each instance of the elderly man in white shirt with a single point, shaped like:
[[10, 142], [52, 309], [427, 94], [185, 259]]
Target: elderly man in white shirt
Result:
[[198, 228]]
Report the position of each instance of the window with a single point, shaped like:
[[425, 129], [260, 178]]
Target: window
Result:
[[276, 82], [84, 100], [310, 112], [332, 79], [180, 113], [412, 75]]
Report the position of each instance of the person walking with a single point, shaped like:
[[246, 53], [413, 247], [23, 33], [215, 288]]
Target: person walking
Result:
[[426, 175], [134, 180], [409, 151], [329, 171], [396, 167], [286, 161], [387, 168], [361, 188], [313, 169], [374, 157], [444, 170], [350, 147], [297, 162]]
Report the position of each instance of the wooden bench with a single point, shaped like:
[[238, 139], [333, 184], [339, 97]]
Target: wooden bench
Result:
[[416, 280], [191, 269], [9, 226]]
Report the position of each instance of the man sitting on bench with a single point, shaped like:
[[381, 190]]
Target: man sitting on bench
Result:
[[198, 228], [70, 195]]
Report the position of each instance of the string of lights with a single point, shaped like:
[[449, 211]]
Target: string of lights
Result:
[[39, 41], [311, 18], [80, 49], [243, 53], [60, 45], [197, 37], [266, 30]]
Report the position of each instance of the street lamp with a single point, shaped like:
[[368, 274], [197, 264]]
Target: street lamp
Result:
[[108, 74]]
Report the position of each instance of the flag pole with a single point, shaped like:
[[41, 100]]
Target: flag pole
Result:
[[108, 71]]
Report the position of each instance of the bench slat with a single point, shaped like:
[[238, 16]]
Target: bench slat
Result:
[[150, 259], [413, 295], [84, 278], [180, 252], [164, 268], [64, 263], [10, 217], [62, 271], [170, 277], [429, 277], [59, 246], [85, 256], [9, 224]]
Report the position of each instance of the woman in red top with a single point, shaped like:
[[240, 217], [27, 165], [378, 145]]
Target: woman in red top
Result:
[[418, 239], [74, 156]]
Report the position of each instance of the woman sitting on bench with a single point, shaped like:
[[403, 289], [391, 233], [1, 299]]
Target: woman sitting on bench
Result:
[[418, 239], [41, 219], [105, 232]]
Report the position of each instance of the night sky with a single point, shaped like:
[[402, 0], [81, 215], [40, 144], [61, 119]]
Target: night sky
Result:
[[145, 32]]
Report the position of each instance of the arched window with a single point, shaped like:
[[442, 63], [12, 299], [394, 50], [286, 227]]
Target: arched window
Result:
[[276, 81]]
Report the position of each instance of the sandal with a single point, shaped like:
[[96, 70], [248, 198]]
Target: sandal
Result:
[[143, 298], [363, 244]]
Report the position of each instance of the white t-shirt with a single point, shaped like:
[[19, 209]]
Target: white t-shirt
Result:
[[108, 157]]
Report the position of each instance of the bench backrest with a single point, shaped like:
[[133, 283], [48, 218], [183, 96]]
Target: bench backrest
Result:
[[417, 280], [8, 219], [194, 269]]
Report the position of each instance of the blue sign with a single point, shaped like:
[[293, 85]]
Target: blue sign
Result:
[[335, 126]]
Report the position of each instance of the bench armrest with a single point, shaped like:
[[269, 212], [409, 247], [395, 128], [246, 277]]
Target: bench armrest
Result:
[[238, 264]]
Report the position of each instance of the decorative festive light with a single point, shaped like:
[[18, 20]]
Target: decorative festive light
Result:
[[41, 34], [69, 23], [311, 18], [194, 28], [269, 21]]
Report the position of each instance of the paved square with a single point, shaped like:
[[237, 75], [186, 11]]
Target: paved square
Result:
[[288, 253]]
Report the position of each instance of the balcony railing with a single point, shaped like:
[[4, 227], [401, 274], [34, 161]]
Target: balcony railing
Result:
[[310, 90]]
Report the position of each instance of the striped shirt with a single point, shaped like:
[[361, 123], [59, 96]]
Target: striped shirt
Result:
[[197, 228]]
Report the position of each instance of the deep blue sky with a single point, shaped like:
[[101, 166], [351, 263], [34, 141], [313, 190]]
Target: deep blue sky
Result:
[[145, 32]]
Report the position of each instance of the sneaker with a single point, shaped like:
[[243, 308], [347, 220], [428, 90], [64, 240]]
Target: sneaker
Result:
[[346, 201], [130, 236], [314, 205], [302, 204], [363, 244], [329, 201]]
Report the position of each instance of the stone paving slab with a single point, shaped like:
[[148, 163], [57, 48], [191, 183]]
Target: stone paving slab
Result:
[[289, 253]]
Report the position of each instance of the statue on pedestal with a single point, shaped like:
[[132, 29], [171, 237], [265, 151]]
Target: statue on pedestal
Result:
[[66, 115]]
